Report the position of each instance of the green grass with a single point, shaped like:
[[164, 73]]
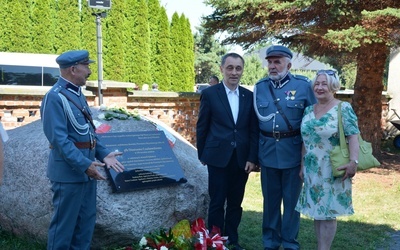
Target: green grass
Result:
[[376, 214], [376, 203], [10, 242]]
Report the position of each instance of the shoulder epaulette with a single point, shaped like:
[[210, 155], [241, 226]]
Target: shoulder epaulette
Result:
[[300, 77], [56, 88], [263, 80]]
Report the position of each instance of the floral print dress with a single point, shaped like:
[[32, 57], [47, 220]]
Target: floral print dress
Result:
[[324, 197]]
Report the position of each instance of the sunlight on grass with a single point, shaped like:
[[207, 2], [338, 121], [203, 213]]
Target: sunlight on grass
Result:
[[376, 203]]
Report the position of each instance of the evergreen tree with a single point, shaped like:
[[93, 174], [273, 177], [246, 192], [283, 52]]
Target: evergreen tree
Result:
[[355, 31], [154, 18], [89, 34], [188, 56], [137, 47], [129, 39], [43, 26], [68, 26], [208, 53], [141, 50], [253, 70], [177, 53], [162, 68], [5, 24], [113, 50], [18, 27]]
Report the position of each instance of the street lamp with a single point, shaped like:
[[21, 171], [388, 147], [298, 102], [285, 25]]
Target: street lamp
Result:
[[104, 5], [198, 75]]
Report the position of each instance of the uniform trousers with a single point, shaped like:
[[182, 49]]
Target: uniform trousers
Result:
[[226, 184], [74, 215], [280, 185]]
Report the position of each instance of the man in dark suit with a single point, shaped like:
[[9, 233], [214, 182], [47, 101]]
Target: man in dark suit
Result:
[[227, 142]]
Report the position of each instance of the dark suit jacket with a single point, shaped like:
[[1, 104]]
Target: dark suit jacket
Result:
[[218, 135]]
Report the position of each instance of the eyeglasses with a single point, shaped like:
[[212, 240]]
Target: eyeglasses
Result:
[[330, 72]]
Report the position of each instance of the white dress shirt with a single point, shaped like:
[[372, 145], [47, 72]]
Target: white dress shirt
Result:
[[233, 98]]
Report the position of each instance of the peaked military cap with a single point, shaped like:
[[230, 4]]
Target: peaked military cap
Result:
[[278, 51], [73, 57]]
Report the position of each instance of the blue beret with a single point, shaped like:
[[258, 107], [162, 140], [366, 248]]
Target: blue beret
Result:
[[73, 57], [278, 51]]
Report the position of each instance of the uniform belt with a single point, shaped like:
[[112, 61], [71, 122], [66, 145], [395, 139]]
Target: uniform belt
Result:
[[82, 145], [277, 134], [86, 144]]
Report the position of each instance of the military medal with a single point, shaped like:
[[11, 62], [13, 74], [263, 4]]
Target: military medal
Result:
[[292, 92], [287, 93]]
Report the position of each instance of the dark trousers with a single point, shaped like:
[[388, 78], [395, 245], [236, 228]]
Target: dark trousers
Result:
[[74, 216], [280, 185], [226, 184]]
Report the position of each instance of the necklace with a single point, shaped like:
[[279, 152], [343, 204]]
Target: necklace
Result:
[[319, 109]]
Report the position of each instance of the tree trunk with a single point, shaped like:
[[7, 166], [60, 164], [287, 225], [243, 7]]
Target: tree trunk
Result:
[[367, 98]]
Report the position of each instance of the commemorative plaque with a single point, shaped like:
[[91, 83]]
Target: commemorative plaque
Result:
[[148, 160]]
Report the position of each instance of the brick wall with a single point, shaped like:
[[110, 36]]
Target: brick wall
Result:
[[19, 105]]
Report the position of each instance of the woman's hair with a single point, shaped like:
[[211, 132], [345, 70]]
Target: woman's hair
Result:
[[331, 77]]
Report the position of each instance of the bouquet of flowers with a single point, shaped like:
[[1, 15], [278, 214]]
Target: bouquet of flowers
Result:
[[119, 113], [183, 236]]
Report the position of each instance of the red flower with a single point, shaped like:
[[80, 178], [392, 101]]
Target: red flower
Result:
[[206, 240]]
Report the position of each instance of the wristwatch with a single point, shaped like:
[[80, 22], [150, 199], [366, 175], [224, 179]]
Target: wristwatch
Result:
[[355, 161]]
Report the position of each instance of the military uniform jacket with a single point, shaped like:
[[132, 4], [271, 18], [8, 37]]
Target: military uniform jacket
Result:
[[64, 124], [294, 96]]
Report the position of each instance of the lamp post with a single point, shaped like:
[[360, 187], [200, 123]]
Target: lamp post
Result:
[[105, 5], [198, 75], [99, 55]]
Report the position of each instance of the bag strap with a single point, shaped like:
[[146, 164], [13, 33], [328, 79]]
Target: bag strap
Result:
[[341, 130], [280, 108], [343, 144], [84, 112]]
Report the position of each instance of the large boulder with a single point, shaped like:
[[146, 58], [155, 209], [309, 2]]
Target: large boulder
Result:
[[25, 200]]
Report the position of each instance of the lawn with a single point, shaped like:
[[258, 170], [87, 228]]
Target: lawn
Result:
[[376, 197]]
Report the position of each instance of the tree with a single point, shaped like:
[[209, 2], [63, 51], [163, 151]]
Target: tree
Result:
[[154, 18], [129, 43], [253, 70], [114, 57], [17, 34], [162, 56], [177, 53], [208, 53], [68, 26], [89, 34], [188, 48], [360, 31], [43, 25], [141, 50]]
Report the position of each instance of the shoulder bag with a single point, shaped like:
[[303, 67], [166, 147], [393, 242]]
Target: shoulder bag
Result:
[[340, 154]]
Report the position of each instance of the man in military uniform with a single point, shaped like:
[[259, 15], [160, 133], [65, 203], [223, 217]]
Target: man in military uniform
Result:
[[74, 146], [279, 101]]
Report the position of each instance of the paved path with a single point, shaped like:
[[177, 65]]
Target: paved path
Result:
[[394, 242]]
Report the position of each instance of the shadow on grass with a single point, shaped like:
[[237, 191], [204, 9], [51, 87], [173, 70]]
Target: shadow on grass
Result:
[[9, 241], [352, 235]]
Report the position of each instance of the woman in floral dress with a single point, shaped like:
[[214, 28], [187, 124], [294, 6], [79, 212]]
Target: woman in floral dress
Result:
[[324, 197]]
